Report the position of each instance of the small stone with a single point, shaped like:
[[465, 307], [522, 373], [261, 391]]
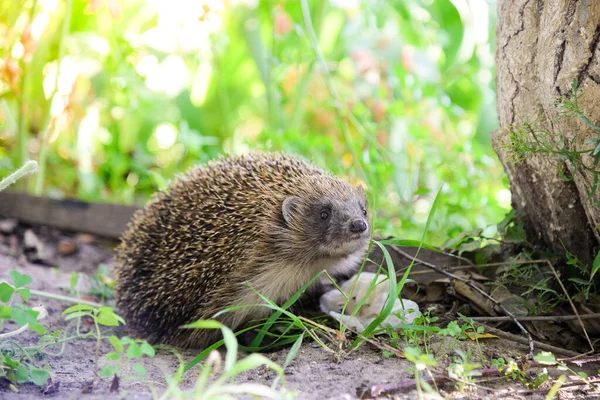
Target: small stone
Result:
[[8, 226], [30, 240], [66, 247], [85, 238]]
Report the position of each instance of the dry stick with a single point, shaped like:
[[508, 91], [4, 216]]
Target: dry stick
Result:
[[496, 264], [593, 359], [378, 390], [477, 289], [510, 392], [66, 299], [522, 340], [553, 318], [572, 305]]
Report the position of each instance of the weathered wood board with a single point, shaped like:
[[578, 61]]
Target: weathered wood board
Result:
[[107, 220]]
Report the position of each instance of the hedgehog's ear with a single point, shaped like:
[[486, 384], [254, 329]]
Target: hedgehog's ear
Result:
[[361, 189], [289, 206]]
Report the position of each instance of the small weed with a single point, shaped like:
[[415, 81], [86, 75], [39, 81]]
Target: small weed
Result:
[[18, 365], [126, 348], [463, 370], [529, 137], [28, 167], [223, 372], [422, 363], [100, 284], [101, 316], [584, 284]]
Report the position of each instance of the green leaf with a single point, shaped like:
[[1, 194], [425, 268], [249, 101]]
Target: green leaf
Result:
[[596, 149], [203, 324], [141, 371], [6, 291], [134, 351], [254, 360], [73, 281], [39, 376], [231, 344], [24, 293], [113, 356], [24, 316], [293, 351], [595, 266], [22, 374], [545, 358], [78, 307], [5, 312], [107, 317], [38, 328], [10, 362], [412, 354], [126, 340], [147, 349], [108, 371], [77, 314], [578, 281], [116, 343], [19, 279]]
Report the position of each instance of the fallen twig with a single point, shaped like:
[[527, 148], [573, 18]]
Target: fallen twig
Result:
[[477, 289], [66, 299], [553, 318], [581, 361], [470, 266], [572, 305], [408, 384], [519, 339]]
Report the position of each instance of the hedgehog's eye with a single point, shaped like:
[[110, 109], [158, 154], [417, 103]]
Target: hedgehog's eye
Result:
[[324, 215], [364, 212]]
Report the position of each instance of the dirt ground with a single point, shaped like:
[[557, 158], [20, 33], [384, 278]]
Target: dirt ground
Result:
[[314, 373]]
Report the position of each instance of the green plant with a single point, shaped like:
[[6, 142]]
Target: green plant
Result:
[[513, 371], [100, 284], [423, 362], [101, 316], [28, 168], [221, 386], [126, 348], [584, 283], [528, 137], [17, 365], [462, 369]]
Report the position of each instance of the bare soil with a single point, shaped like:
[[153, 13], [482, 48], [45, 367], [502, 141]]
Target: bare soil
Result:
[[314, 373]]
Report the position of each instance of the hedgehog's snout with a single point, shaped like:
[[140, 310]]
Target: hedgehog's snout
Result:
[[358, 226]]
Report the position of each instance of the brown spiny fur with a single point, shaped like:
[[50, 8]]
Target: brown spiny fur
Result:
[[196, 248]]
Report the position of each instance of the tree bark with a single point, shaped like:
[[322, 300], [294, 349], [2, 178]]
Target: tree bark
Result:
[[542, 46]]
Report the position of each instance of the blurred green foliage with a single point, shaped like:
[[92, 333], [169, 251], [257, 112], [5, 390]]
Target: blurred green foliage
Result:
[[112, 97]]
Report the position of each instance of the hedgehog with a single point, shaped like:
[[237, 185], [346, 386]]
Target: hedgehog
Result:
[[220, 233]]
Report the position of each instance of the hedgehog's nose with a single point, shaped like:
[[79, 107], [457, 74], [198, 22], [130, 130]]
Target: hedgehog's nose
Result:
[[358, 226]]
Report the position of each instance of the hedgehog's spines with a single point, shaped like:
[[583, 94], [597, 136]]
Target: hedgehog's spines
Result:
[[195, 247]]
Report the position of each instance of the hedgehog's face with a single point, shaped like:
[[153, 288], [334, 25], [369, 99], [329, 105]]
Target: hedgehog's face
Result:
[[330, 226]]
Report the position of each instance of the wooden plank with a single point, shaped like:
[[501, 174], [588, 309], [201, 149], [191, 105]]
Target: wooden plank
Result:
[[100, 219]]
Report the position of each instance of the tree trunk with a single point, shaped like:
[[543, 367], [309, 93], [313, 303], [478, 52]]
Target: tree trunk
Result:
[[542, 47]]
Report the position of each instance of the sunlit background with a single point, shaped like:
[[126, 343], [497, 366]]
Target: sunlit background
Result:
[[115, 97]]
